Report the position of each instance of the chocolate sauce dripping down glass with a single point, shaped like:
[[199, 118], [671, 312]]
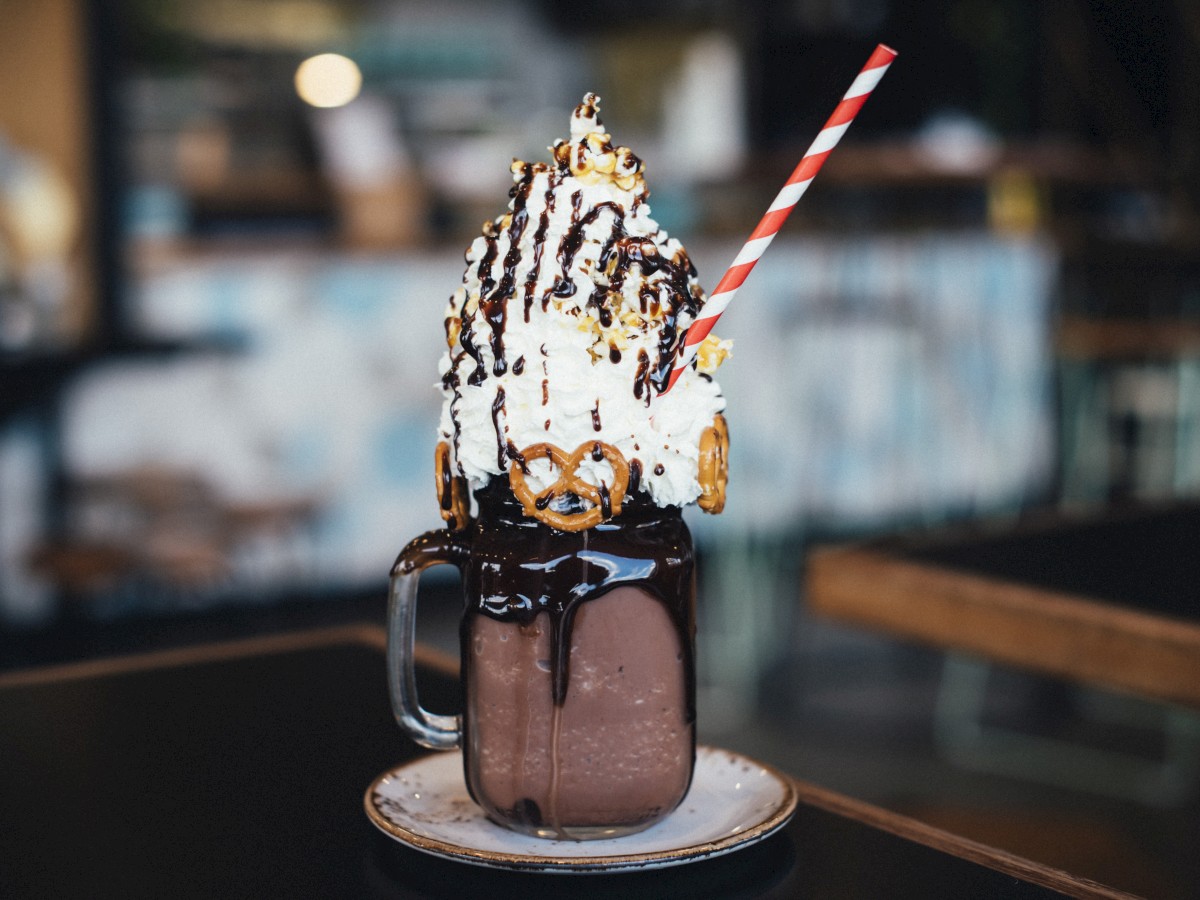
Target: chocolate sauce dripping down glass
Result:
[[528, 568]]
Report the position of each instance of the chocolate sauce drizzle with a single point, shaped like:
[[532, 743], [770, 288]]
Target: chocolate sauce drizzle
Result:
[[494, 296], [451, 382], [573, 240], [501, 445], [446, 482], [668, 299], [516, 456], [466, 335], [642, 379], [539, 241]]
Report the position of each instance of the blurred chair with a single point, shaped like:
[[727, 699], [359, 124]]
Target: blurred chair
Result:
[[162, 540], [1104, 601]]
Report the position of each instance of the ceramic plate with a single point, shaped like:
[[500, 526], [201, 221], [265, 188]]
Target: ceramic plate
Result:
[[733, 802]]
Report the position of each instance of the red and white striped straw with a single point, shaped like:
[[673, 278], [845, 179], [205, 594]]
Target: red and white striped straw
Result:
[[784, 203]]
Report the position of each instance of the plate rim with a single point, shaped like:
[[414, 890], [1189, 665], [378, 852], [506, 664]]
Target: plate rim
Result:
[[779, 817]]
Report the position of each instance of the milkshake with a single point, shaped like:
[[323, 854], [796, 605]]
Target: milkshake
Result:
[[578, 670], [578, 630]]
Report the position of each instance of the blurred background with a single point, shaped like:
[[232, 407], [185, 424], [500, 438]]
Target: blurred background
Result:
[[228, 230]]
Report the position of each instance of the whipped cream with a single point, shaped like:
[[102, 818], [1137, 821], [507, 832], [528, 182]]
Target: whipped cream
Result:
[[572, 308]]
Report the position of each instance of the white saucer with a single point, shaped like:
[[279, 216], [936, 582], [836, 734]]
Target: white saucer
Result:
[[733, 803]]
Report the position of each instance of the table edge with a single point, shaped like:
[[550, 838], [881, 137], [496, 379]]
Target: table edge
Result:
[[361, 633], [947, 842]]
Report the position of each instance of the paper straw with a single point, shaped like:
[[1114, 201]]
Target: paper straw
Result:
[[783, 205]]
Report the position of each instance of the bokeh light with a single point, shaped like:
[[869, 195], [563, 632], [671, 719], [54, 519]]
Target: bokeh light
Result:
[[328, 80]]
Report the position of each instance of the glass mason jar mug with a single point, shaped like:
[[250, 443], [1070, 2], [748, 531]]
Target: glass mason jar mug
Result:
[[578, 666]]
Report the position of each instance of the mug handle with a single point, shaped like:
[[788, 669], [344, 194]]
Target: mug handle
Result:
[[433, 548]]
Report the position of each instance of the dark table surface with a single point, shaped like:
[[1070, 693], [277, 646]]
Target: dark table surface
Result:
[[238, 770]]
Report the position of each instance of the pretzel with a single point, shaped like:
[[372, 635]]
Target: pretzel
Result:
[[713, 473], [453, 497], [538, 505]]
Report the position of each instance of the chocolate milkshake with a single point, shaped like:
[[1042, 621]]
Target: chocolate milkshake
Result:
[[580, 717], [578, 630], [615, 755]]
